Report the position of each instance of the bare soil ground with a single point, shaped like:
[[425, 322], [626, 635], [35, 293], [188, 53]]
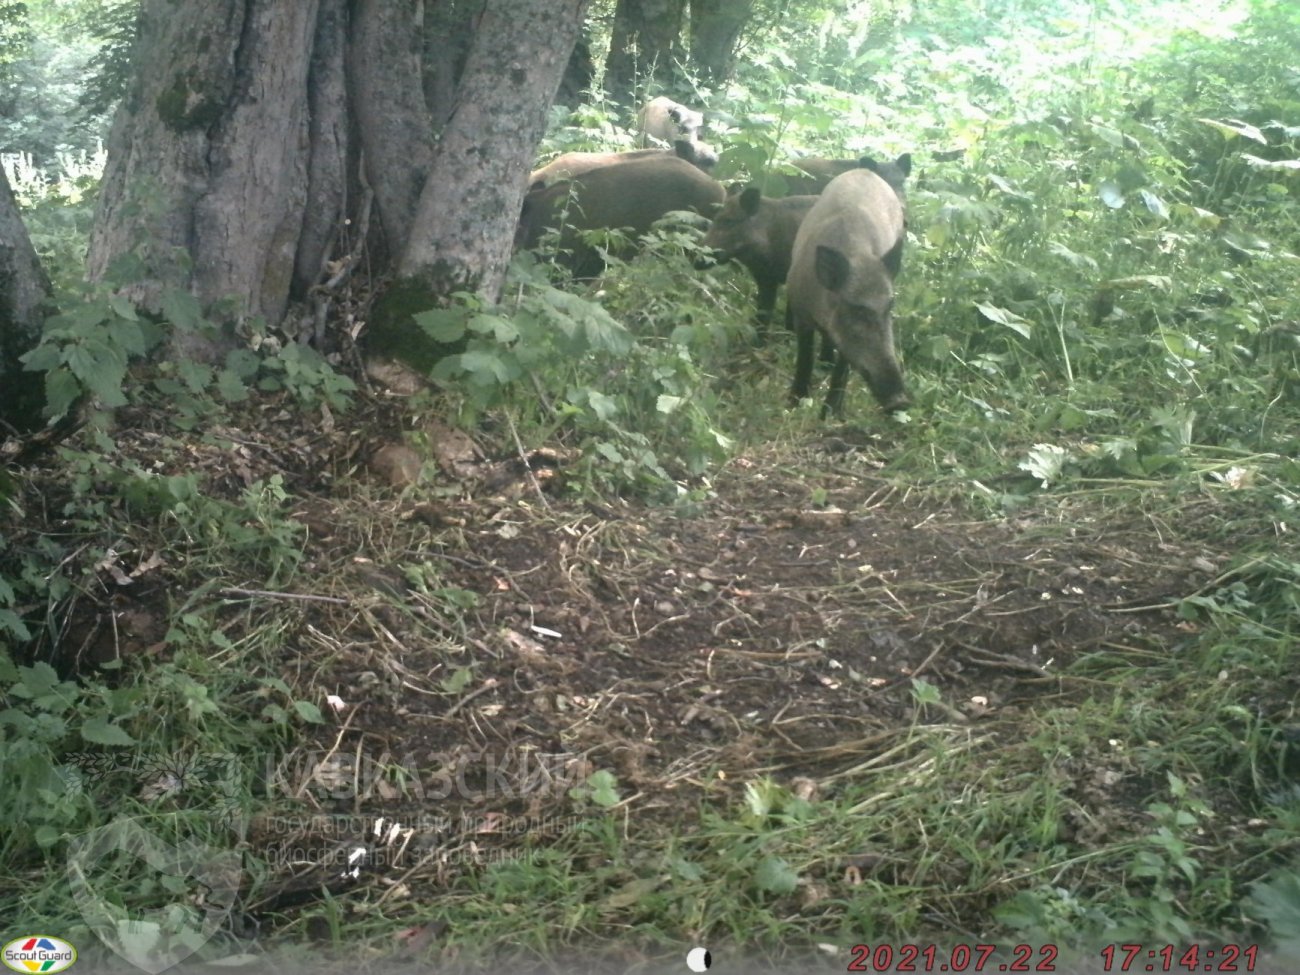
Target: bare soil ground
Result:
[[772, 630]]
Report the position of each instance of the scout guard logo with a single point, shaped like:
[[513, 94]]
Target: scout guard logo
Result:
[[39, 953], [163, 938]]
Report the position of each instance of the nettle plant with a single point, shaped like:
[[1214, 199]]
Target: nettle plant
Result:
[[638, 405]]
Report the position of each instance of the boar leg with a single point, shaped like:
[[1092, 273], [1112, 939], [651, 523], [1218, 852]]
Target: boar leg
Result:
[[803, 362], [839, 379], [766, 306]]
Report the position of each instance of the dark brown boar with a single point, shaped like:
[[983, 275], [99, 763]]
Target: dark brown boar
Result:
[[818, 172], [847, 252], [759, 233], [630, 196], [570, 164]]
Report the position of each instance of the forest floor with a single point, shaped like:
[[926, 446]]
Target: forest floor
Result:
[[492, 645]]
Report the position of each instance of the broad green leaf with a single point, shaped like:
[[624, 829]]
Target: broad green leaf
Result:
[[486, 368], [1004, 317], [196, 376], [11, 623], [776, 876], [446, 325], [104, 379], [129, 336], [1081, 261], [1235, 127], [98, 730], [1277, 165], [308, 711], [604, 789], [668, 404], [605, 407], [501, 329], [1112, 137], [1136, 282], [44, 356], [61, 391], [182, 309], [230, 387], [122, 306]]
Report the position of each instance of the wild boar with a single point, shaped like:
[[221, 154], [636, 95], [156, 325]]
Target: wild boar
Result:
[[759, 233], [820, 171], [846, 254], [664, 122], [631, 195], [570, 164]]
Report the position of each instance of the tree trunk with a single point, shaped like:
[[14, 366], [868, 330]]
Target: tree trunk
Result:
[[208, 157], [578, 75], [257, 134], [24, 295], [448, 31], [715, 32], [645, 40], [389, 112], [465, 224]]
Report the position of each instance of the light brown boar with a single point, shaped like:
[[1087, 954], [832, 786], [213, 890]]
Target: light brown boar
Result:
[[570, 164], [629, 196], [665, 121], [841, 283]]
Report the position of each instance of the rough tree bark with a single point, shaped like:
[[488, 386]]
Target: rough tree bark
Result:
[[267, 147], [715, 32], [464, 227], [645, 40], [24, 295], [208, 155], [389, 112], [448, 31]]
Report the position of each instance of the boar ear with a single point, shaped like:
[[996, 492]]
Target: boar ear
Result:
[[904, 163], [750, 199], [832, 268]]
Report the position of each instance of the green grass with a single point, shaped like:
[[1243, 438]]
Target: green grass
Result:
[[1097, 314]]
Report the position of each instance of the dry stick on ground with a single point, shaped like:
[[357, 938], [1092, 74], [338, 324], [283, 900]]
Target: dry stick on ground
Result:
[[265, 593], [523, 459], [1002, 661]]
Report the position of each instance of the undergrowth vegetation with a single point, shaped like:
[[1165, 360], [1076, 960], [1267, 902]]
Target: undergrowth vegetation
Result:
[[1099, 316]]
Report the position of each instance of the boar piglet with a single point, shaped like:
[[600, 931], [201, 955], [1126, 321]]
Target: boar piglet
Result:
[[759, 233], [847, 252]]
